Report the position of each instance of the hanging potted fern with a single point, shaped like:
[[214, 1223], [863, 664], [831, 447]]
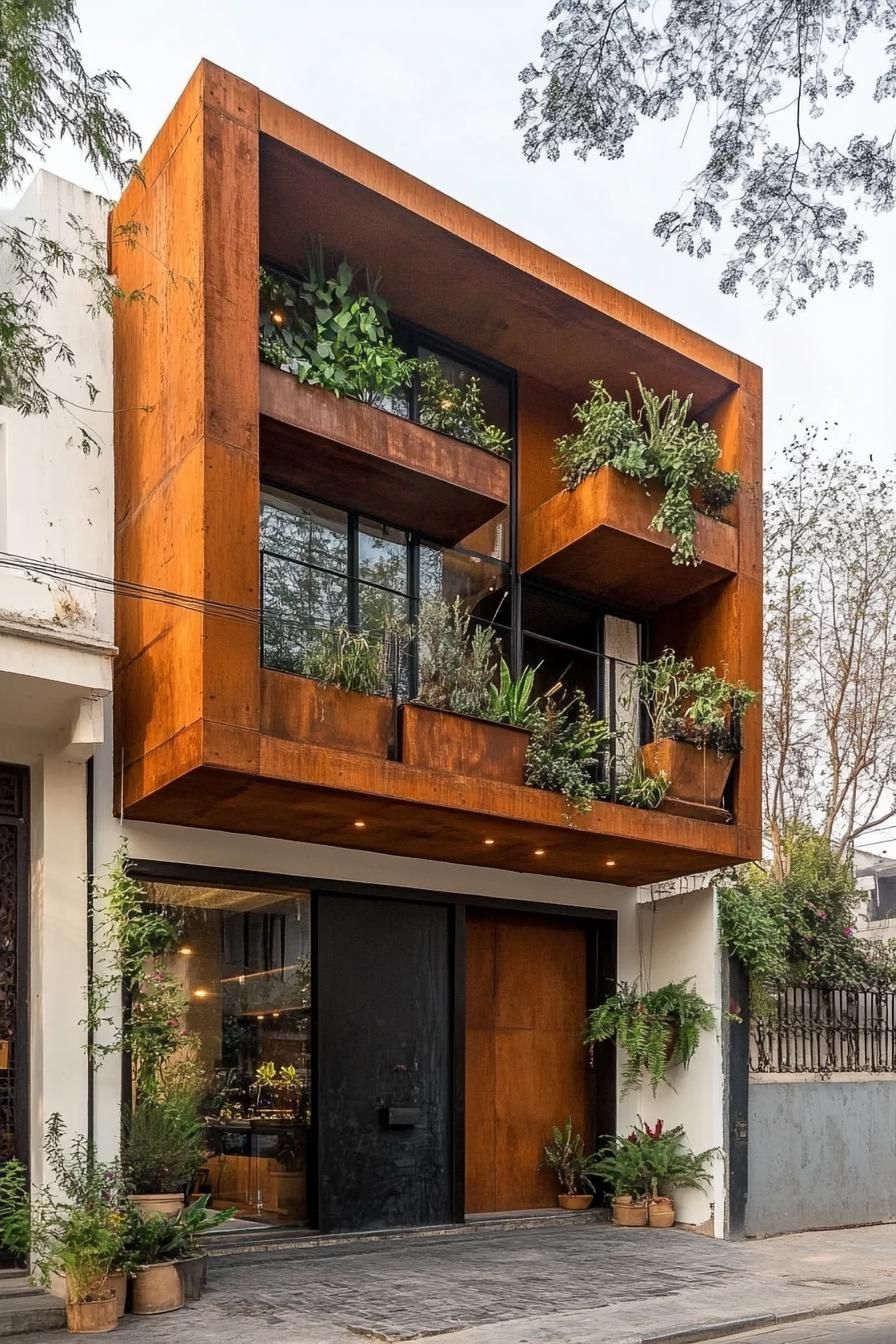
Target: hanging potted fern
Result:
[[657, 1029]]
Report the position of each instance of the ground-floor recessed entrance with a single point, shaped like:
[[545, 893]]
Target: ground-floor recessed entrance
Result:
[[376, 1058]]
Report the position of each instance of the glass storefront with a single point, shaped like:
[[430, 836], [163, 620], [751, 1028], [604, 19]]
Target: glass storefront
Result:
[[244, 962]]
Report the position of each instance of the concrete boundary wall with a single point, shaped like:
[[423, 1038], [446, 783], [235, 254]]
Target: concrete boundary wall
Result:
[[822, 1152]]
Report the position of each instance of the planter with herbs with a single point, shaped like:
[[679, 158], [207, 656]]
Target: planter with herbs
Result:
[[695, 716], [658, 444], [657, 1029], [162, 1150]]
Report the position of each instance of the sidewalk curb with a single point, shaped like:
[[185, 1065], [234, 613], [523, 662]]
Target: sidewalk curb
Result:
[[695, 1334]]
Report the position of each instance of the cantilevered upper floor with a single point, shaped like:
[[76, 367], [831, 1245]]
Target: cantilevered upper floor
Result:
[[254, 509]]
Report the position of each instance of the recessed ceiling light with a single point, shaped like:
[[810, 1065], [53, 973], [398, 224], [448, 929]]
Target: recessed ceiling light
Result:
[[260, 1017], [200, 993], [488, 842], [538, 853], [359, 825], [185, 951], [611, 863]]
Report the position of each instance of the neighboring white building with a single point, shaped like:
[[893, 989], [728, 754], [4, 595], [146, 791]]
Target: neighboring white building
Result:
[[876, 876], [56, 651]]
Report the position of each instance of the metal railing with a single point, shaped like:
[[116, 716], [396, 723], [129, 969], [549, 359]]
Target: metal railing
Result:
[[810, 1029]]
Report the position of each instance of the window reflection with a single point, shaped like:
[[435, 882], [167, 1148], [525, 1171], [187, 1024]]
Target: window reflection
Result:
[[245, 968]]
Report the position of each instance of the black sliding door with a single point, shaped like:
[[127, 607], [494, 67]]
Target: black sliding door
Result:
[[383, 1008]]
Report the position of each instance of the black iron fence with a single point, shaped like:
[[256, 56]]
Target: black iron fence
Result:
[[809, 1029]]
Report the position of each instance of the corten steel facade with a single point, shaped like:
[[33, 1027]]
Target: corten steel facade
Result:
[[209, 736]]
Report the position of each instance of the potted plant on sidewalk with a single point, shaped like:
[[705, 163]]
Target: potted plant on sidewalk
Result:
[[154, 1244], [162, 1150], [657, 1028], [620, 1164], [565, 1155], [193, 1222], [670, 1165]]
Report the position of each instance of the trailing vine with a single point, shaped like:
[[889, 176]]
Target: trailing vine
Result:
[[659, 443], [131, 938]]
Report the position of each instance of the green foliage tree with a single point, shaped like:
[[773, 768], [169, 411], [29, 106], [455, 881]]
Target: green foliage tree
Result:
[[46, 94]]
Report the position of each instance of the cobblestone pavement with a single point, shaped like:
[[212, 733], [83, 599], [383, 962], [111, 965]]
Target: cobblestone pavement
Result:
[[582, 1285]]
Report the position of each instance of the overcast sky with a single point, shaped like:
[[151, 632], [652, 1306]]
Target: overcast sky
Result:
[[434, 88]]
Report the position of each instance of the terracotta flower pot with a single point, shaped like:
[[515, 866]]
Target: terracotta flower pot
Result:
[[95, 1317], [118, 1282], [573, 1202], [695, 775], [628, 1212], [193, 1271], [153, 1205], [157, 1288], [660, 1212]]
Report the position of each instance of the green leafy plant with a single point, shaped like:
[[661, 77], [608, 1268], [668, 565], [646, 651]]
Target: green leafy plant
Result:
[[131, 940], [636, 788], [351, 659], [690, 704], [456, 408], [565, 1155], [197, 1218], [620, 1164], [154, 1239], [455, 658], [656, 1029], [513, 700], [564, 750], [668, 1163], [163, 1146], [328, 333], [660, 443], [77, 1225]]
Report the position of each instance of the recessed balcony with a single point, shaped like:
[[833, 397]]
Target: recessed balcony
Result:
[[379, 464], [597, 540]]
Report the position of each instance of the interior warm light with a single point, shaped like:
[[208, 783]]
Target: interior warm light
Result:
[[260, 1017], [275, 1014], [200, 993], [359, 825], [278, 317]]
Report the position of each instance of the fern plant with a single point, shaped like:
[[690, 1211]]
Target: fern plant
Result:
[[656, 1029], [660, 442]]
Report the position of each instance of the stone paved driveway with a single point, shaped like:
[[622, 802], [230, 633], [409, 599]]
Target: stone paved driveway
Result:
[[553, 1285]]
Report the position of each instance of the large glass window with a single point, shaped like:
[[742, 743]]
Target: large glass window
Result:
[[244, 963]]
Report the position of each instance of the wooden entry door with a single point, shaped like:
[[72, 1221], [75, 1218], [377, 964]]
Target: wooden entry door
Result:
[[526, 1064]]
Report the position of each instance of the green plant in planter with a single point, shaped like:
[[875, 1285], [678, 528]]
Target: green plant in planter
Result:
[[512, 700], [658, 443], [455, 658], [456, 408], [353, 660], [690, 704], [669, 1163], [636, 788], [329, 334], [620, 1164], [197, 1218], [564, 750], [646, 1025], [565, 1155], [153, 1239], [163, 1146]]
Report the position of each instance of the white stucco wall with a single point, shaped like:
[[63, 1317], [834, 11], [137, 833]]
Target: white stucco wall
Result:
[[56, 506], [677, 938]]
